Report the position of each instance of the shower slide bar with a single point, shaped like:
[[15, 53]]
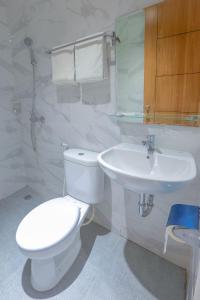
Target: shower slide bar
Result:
[[111, 35]]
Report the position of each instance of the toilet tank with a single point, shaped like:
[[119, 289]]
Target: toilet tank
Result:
[[84, 178]]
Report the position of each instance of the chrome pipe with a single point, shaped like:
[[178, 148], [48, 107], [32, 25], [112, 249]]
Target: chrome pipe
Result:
[[145, 204], [88, 38]]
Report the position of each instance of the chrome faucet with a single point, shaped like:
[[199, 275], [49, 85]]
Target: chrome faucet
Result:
[[150, 144]]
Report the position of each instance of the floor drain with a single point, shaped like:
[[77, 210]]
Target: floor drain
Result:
[[28, 197]]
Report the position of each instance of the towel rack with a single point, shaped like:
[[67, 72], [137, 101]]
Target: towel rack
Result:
[[111, 35]]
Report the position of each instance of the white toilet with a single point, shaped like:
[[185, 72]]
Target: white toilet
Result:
[[50, 234]]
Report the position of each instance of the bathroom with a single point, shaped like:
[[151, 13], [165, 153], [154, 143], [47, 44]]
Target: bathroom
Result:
[[121, 255]]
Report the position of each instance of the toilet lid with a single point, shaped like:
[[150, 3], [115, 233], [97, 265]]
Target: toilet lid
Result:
[[47, 224]]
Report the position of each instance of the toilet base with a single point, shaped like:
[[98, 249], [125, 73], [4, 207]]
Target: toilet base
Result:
[[46, 273]]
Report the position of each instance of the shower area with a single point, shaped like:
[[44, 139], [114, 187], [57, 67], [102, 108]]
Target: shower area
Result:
[[34, 116], [12, 174], [20, 121], [31, 152]]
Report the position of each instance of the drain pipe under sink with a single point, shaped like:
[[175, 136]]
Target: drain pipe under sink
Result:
[[145, 204]]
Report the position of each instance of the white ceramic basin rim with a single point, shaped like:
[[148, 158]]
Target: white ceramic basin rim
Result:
[[129, 165]]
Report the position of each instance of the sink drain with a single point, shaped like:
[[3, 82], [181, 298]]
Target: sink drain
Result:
[[28, 197]]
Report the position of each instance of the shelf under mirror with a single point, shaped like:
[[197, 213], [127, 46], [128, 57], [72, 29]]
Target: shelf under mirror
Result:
[[167, 119]]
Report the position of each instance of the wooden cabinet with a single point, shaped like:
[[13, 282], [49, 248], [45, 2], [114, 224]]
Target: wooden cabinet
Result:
[[172, 59], [178, 16], [178, 94], [179, 54]]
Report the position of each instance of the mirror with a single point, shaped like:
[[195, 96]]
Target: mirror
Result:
[[130, 64], [158, 65]]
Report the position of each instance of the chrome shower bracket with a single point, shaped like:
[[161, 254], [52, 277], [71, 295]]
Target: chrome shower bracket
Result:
[[115, 39], [145, 204], [36, 119], [64, 146]]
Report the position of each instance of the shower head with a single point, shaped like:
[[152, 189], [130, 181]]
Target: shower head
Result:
[[28, 41]]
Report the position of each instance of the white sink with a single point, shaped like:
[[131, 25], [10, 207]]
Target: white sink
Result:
[[161, 173]]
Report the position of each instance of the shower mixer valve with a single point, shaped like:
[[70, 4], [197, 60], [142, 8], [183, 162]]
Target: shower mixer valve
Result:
[[36, 119]]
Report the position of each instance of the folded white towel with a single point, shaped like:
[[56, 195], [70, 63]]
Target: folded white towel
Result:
[[63, 70], [91, 60]]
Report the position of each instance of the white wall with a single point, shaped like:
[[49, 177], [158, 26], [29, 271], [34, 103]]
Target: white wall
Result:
[[69, 120], [12, 175]]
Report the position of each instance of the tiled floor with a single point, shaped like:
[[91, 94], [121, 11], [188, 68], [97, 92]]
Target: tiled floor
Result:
[[107, 268]]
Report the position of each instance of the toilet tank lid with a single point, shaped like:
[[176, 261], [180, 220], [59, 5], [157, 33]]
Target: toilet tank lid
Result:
[[81, 156]]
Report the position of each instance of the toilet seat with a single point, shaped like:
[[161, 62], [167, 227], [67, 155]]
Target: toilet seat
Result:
[[47, 225]]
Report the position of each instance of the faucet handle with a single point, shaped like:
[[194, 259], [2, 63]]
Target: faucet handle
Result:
[[144, 143], [151, 138]]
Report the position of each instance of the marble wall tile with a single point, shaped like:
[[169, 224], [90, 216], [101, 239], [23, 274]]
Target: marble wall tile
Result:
[[12, 171]]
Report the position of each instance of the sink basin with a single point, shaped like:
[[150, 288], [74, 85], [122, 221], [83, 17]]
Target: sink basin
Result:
[[163, 172]]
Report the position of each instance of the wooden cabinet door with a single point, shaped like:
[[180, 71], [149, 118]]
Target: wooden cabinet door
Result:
[[172, 59], [178, 94], [179, 54], [178, 16]]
